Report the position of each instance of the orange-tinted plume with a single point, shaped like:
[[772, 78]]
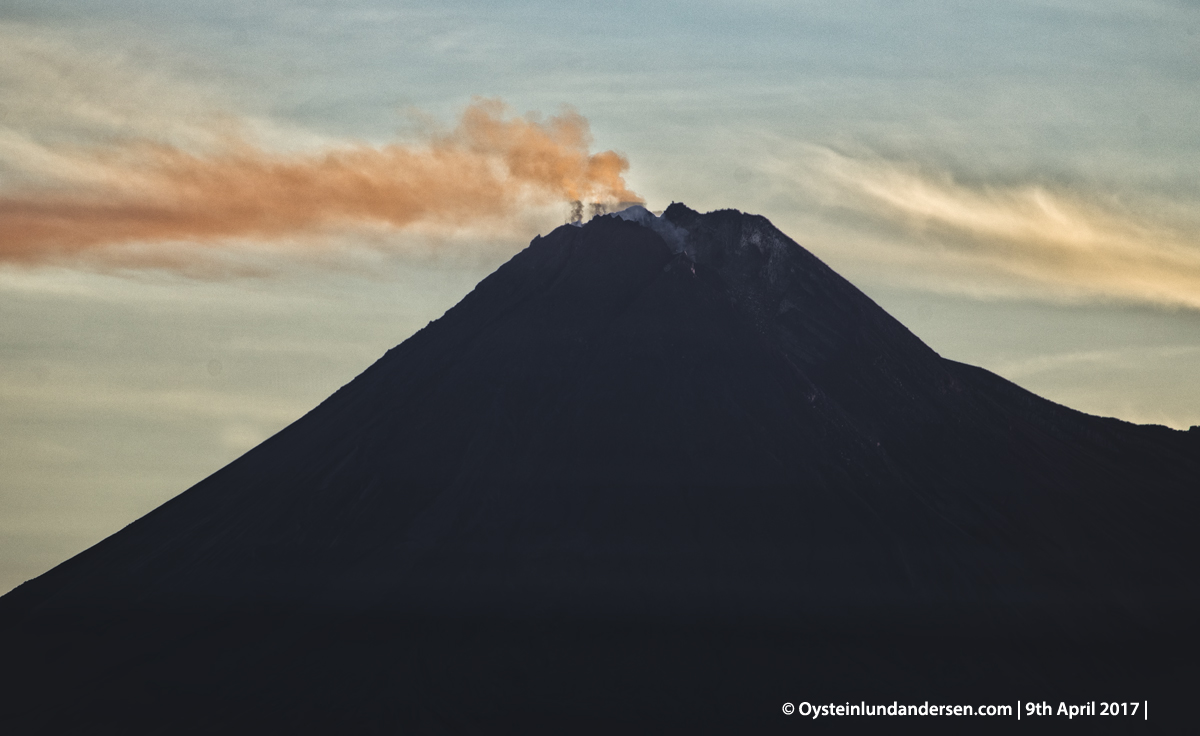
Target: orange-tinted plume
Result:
[[487, 168]]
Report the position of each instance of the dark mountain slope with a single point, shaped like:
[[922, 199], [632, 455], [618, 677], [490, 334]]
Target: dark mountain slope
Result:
[[633, 442]]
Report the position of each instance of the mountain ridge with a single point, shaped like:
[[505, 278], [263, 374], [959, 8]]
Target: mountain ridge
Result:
[[824, 351], [614, 430]]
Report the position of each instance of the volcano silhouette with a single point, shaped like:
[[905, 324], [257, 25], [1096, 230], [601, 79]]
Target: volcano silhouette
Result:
[[652, 473]]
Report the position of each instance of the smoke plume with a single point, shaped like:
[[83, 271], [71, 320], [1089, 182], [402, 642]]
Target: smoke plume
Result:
[[487, 168]]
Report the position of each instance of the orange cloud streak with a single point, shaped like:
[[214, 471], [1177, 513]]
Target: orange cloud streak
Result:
[[487, 168]]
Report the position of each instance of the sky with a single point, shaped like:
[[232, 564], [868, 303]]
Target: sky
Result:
[[214, 214]]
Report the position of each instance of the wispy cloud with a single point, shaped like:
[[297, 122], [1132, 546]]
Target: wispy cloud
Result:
[[1129, 359], [1068, 241]]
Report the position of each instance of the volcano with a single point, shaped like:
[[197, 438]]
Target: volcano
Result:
[[655, 473]]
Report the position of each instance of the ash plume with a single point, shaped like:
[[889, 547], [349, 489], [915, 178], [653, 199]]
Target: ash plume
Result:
[[489, 167]]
